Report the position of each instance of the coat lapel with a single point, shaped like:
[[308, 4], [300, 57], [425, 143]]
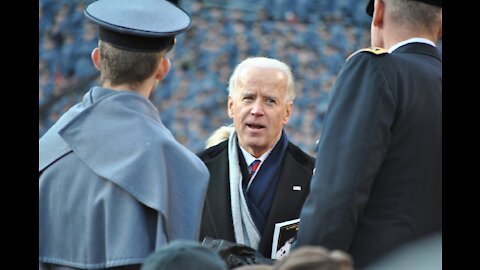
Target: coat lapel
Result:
[[218, 211], [288, 200]]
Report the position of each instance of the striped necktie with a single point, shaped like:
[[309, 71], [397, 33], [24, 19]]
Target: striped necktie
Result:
[[252, 168]]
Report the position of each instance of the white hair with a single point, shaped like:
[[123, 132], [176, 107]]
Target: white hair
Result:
[[263, 62]]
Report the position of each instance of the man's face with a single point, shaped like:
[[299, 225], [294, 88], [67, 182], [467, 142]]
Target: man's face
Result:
[[259, 108]]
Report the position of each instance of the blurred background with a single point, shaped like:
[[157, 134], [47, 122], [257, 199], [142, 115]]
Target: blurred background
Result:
[[313, 36]]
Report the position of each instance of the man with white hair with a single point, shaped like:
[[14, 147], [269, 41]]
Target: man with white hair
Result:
[[245, 201]]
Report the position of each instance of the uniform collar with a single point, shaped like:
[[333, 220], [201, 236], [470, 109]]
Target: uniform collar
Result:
[[411, 40]]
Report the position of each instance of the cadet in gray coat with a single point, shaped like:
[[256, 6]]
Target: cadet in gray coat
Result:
[[114, 184]]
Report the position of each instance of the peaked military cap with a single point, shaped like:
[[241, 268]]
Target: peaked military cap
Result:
[[369, 8], [138, 25]]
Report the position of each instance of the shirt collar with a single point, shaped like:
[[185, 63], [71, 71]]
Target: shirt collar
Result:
[[411, 40], [249, 158]]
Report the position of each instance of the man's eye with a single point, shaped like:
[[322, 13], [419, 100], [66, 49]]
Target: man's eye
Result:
[[271, 101]]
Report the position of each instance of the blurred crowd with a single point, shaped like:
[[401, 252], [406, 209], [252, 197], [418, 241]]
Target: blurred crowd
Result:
[[313, 36]]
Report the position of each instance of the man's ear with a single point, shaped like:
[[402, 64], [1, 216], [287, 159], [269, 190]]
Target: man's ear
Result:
[[288, 112], [230, 107], [163, 68], [378, 13], [95, 55]]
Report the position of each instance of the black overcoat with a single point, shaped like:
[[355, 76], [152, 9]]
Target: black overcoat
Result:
[[217, 223]]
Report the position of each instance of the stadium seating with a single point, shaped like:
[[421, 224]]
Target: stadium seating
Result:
[[313, 36]]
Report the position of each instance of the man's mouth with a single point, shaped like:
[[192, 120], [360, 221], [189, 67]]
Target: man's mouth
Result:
[[255, 126]]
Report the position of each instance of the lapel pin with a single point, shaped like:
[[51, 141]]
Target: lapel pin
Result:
[[297, 188]]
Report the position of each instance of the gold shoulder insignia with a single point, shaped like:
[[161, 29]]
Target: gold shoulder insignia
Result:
[[374, 50]]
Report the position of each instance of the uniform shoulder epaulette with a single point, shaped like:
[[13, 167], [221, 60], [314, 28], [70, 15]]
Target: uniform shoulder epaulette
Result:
[[374, 50]]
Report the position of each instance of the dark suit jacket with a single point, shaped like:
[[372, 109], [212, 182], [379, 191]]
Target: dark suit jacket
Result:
[[378, 176], [217, 213]]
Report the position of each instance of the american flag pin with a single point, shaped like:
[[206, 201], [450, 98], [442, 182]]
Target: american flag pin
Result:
[[297, 188]]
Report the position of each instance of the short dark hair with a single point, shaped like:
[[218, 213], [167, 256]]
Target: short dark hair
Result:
[[126, 67]]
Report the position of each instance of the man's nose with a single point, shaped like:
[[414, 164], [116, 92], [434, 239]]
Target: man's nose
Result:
[[257, 108]]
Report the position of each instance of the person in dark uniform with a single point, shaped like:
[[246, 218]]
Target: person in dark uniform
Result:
[[378, 173], [242, 206], [114, 184]]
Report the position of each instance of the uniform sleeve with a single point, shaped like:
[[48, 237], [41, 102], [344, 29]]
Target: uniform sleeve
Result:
[[351, 150]]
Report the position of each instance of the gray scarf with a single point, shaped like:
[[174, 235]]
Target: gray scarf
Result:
[[245, 230]]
